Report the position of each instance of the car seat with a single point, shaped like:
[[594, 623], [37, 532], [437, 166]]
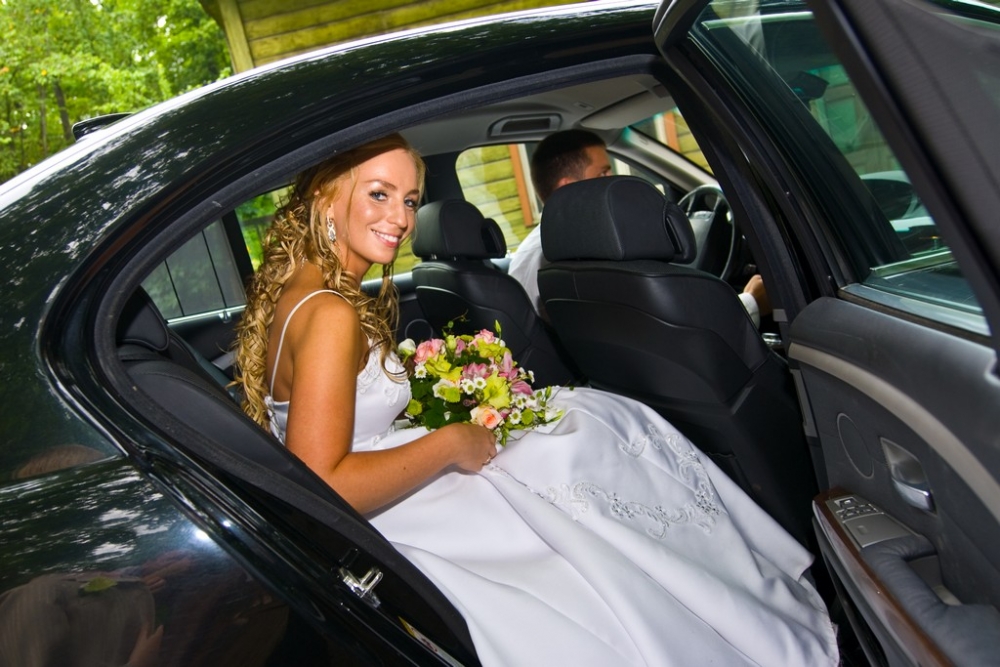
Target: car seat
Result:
[[456, 282], [676, 338], [198, 414]]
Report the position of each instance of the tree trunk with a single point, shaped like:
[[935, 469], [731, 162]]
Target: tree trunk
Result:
[[43, 133], [67, 127]]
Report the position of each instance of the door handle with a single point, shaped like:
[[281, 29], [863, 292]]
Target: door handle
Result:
[[908, 476]]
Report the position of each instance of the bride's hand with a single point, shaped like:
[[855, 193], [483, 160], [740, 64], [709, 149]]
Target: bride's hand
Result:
[[475, 446]]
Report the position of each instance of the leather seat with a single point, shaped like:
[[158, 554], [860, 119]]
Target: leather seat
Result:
[[172, 374], [673, 337], [457, 283], [209, 425]]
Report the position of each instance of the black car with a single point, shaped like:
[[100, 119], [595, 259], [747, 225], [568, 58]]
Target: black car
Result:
[[846, 150]]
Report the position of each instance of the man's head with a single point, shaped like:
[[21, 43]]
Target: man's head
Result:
[[566, 157]]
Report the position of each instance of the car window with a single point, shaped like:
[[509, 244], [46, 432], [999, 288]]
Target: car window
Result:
[[199, 278], [255, 217], [899, 256], [203, 277], [671, 129]]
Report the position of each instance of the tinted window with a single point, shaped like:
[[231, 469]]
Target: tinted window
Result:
[[201, 277], [885, 229]]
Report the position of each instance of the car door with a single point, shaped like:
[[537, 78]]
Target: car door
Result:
[[812, 113]]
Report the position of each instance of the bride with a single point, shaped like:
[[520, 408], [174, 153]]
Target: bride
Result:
[[603, 538]]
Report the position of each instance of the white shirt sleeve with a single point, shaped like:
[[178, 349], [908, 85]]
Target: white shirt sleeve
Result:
[[753, 310], [525, 262]]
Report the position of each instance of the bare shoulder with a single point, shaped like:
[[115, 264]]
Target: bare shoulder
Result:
[[325, 314]]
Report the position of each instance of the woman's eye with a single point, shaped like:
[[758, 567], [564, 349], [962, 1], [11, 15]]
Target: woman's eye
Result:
[[379, 195], [411, 203]]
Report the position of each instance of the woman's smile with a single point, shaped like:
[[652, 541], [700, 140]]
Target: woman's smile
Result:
[[391, 240]]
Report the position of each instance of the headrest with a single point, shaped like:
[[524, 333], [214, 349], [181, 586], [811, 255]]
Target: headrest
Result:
[[141, 323], [455, 229], [615, 218], [496, 244]]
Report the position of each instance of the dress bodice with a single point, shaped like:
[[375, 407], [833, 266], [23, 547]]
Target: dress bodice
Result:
[[378, 401]]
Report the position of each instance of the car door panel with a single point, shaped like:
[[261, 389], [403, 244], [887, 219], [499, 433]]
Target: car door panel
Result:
[[899, 427], [896, 580], [900, 404]]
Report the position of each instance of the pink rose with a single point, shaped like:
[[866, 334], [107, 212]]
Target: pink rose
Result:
[[427, 349], [486, 415], [486, 336], [459, 346]]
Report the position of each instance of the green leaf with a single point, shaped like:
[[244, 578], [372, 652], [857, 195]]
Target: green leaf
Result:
[[97, 584]]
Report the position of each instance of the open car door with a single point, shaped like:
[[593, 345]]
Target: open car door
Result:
[[857, 143]]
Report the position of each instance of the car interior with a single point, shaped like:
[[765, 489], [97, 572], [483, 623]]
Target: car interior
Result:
[[459, 275], [860, 414]]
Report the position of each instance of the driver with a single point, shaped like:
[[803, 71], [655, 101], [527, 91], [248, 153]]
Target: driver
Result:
[[575, 155]]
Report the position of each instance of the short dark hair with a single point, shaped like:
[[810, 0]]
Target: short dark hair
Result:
[[560, 155]]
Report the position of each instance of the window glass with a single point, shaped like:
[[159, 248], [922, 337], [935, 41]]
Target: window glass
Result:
[[255, 217], [671, 130], [905, 256], [201, 277]]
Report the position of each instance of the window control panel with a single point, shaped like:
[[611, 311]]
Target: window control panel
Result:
[[852, 506], [864, 522]]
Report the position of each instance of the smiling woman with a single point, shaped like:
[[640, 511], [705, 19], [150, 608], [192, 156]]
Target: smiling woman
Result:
[[376, 211]]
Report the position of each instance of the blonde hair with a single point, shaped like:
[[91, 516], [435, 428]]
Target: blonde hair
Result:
[[299, 234]]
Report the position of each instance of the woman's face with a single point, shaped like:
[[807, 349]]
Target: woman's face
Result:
[[375, 210]]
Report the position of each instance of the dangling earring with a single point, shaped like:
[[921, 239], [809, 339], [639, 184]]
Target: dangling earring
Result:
[[331, 231]]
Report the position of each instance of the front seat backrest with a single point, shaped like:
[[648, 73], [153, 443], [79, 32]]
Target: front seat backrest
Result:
[[675, 338], [456, 283]]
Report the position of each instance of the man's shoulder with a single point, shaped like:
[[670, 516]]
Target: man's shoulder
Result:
[[532, 243]]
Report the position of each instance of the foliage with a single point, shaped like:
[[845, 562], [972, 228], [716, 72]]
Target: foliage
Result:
[[63, 61]]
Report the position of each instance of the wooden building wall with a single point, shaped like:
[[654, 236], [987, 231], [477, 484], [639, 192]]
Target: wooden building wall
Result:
[[263, 31]]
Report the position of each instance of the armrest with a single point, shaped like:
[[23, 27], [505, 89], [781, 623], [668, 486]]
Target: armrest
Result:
[[969, 634]]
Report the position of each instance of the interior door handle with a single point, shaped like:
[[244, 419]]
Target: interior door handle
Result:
[[908, 476]]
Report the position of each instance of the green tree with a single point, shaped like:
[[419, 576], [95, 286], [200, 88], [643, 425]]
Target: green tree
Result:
[[63, 61]]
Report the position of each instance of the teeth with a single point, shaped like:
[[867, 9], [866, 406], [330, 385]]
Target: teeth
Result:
[[388, 237]]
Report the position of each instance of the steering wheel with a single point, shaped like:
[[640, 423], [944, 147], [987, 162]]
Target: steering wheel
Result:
[[720, 244]]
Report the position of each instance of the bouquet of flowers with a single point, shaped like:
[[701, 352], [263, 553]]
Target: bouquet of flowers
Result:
[[473, 378]]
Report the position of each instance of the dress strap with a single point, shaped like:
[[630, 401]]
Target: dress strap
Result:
[[281, 339]]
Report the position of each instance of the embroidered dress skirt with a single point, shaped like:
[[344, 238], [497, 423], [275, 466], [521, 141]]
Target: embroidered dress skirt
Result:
[[608, 539]]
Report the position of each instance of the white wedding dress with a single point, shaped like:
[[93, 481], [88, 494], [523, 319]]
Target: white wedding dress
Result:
[[603, 539]]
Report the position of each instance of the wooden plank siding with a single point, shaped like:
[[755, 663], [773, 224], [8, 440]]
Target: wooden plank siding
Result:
[[490, 181], [270, 30]]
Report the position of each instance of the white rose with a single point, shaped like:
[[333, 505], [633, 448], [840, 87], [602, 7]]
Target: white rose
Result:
[[407, 348]]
